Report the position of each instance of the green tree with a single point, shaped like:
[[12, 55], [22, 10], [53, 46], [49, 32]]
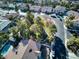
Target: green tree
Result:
[[69, 21], [23, 26], [3, 38], [30, 17], [73, 44], [49, 28], [37, 29], [16, 8], [14, 30], [68, 5]]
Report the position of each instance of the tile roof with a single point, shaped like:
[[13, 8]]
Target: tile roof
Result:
[[3, 24]]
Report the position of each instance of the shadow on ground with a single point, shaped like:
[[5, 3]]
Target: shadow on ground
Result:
[[59, 49]]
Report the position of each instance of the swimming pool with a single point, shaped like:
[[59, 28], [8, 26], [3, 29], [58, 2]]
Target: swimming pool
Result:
[[6, 49]]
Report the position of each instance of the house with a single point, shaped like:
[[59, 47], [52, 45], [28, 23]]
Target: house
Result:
[[32, 50], [4, 5], [4, 24], [55, 0], [59, 10], [44, 1], [22, 6], [35, 8], [11, 14], [75, 27], [41, 1], [19, 0], [3, 12], [76, 22], [38, 1], [74, 13], [1, 3], [46, 9], [22, 13], [73, 1], [11, 6]]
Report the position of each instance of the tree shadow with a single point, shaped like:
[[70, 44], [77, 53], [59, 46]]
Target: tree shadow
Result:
[[59, 48], [43, 52]]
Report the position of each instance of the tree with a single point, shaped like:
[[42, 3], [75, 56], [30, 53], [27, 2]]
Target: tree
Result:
[[43, 29], [14, 30], [23, 26], [68, 5], [3, 38], [28, 1], [73, 44], [50, 32], [69, 21], [16, 35], [37, 29], [16, 8], [49, 28], [30, 17]]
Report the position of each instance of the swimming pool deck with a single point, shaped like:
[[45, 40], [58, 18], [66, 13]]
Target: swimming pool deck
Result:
[[21, 49]]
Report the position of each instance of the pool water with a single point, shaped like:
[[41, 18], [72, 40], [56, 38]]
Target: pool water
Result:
[[6, 49]]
